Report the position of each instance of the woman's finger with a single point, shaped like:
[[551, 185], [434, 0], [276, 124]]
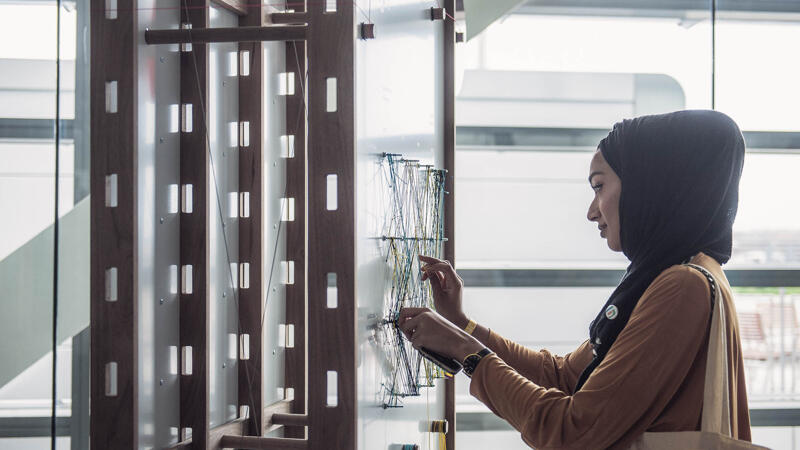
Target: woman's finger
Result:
[[430, 259], [410, 312], [445, 269], [440, 266]]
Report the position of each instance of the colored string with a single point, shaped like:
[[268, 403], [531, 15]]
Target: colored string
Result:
[[413, 225]]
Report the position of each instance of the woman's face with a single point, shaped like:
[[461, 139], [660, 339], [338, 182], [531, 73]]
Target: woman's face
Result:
[[604, 209]]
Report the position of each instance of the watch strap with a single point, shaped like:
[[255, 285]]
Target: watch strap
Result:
[[473, 359]]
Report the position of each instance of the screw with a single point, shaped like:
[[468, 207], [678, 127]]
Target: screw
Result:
[[161, 301], [161, 140], [162, 59], [161, 382], [274, 289], [224, 83], [274, 352], [224, 295], [161, 220], [223, 154], [224, 365], [275, 227], [275, 163]]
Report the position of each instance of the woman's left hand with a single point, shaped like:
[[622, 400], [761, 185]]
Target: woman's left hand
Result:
[[426, 328]]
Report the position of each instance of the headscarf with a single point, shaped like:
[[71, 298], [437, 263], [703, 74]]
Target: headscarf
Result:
[[680, 191]]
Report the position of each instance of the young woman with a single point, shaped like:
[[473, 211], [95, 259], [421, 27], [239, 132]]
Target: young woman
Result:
[[666, 193]]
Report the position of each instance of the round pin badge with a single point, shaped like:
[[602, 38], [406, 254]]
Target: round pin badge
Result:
[[612, 312]]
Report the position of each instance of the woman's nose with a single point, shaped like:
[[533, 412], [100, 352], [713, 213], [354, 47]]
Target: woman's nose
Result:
[[593, 213]]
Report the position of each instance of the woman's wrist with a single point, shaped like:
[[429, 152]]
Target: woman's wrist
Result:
[[461, 321], [469, 346]]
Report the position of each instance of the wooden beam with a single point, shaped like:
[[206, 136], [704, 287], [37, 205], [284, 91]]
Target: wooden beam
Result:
[[448, 53], [298, 420], [194, 249], [296, 244], [251, 228], [234, 34], [251, 442], [288, 18], [113, 285], [331, 228], [279, 407]]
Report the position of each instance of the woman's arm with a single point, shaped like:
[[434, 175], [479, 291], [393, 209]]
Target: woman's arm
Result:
[[628, 391], [540, 367]]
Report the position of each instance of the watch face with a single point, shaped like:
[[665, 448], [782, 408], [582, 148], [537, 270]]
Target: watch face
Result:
[[470, 363]]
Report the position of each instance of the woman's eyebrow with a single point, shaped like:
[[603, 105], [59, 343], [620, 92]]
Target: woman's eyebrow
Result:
[[597, 172]]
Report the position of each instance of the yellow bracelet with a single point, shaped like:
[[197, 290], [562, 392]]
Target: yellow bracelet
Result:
[[470, 326]]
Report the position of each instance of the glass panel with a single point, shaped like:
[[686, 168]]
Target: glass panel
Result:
[[72, 354], [767, 227], [756, 74], [27, 199]]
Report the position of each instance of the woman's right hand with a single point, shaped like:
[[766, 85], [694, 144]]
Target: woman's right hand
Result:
[[447, 287]]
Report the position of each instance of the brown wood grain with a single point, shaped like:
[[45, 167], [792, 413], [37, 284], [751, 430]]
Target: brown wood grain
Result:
[[331, 234], [232, 34], [298, 420], [279, 407], [296, 301], [449, 205], [251, 229], [114, 421], [251, 442], [194, 162], [288, 18]]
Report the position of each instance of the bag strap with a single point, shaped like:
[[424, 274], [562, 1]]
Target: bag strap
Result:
[[716, 396]]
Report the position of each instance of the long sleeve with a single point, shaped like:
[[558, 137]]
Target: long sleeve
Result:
[[632, 386], [542, 367]]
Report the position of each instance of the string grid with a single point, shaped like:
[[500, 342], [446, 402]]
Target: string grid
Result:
[[413, 225]]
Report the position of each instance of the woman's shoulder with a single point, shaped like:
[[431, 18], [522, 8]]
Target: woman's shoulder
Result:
[[679, 286]]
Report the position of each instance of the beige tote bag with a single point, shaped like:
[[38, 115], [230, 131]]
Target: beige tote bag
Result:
[[715, 428]]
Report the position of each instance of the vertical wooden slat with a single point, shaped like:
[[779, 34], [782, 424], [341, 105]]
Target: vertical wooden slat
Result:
[[296, 304], [449, 165], [331, 233], [113, 245], [194, 163], [251, 229]]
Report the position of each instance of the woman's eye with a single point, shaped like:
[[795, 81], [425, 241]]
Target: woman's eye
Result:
[[597, 187]]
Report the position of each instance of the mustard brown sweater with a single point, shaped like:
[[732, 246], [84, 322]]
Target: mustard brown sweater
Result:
[[651, 379]]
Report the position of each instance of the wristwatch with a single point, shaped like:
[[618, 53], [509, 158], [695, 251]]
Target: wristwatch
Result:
[[471, 361]]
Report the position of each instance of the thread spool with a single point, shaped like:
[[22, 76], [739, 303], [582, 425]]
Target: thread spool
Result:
[[438, 426]]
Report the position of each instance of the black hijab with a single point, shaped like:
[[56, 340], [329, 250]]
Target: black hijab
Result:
[[680, 190]]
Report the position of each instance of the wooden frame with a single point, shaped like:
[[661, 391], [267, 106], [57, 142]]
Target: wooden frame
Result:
[[326, 147], [114, 292], [331, 151], [194, 239], [296, 245], [251, 228]]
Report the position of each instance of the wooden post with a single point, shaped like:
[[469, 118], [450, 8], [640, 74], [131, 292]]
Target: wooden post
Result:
[[331, 226], [114, 319], [296, 245], [251, 228], [194, 252]]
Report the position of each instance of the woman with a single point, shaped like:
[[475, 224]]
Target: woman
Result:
[[666, 192]]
